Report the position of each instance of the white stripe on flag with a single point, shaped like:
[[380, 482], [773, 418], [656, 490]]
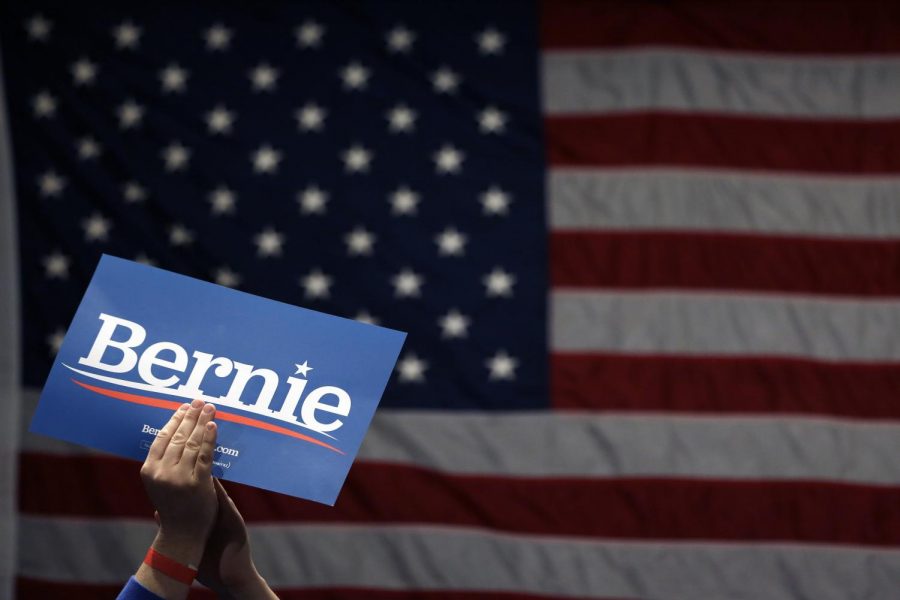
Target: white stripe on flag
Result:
[[666, 199], [686, 80], [610, 445], [431, 558], [725, 324]]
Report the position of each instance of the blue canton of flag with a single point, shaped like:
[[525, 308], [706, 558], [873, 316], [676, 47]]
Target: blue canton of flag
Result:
[[380, 161]]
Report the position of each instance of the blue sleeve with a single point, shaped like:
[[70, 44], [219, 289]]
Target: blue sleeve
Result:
[[135, 591]]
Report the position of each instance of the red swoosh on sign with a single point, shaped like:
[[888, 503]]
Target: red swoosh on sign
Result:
[[224, 416]]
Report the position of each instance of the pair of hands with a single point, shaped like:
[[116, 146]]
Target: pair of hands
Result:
[[199, 523]]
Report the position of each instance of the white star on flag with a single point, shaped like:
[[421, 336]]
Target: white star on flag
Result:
[[401, 118], [309, 34], [56, 266], [225, 276], [499, 283], [366, 317], [316, 284], [407, 284], [130, 114], [495, 201], [265, 159], [38, 28], [88, 148], [174, 78], [312, 200], [448, 159], [445, 80], [51, 184], [176, 156], [400, 39], [359, 242], [404, 201], [127, 35], [44, 105], [356, 159], [134, 192], [411, 368], [451, 242], [310, 117], [502, 366], [264, 77], [55, 340], [223, 200], [490, 41], [96, 228], [454, 324], [355, 76], [179, 235], [220, 120], [491, 120], [218, 37], [84, 72], [268, 242]]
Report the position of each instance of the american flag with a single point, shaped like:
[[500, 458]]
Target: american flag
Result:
[[647, 254]]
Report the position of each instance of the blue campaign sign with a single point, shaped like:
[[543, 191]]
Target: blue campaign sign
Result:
[[295, 388]]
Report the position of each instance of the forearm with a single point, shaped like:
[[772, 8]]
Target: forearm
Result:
[[253, 588]]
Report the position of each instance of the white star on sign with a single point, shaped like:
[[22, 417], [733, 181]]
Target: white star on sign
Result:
[[304, 369], [454, 324], [401, 118], [51, 184], [55, 340], [316, 284], [84, 72], [366, 317], [404, 201], [445, 80], [355, 76], [310, 117], [44, 105], [491, 120], [451, 242], [448, 159], [266, 159], [490, 41], [176, 156], [312, 200], [38, 28], [179, 235], [359, 242], [499, 282], [218, 37], [130, 114], [174, 78], [495, 201], [88, 148], [309, 34], [96, 228], [225, 276], [127, 35], [220, 120], [502, 366], [56, 266], [268, 242], [222, 200], [400, 39], [264, 77], [133, 192], [356, 159], [411, 368], [407, 284]]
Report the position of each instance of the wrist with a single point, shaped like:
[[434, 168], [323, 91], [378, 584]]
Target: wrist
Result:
[[249, 587], [187, 550]]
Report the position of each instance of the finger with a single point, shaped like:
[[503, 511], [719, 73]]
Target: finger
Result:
[[158, 447], [181, 435], [156, 517], [203, 466], [195, 440]]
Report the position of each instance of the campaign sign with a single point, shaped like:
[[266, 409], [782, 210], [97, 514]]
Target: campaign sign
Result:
[[295, 389]]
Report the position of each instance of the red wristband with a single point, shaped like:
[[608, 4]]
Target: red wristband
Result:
[[169, 567]]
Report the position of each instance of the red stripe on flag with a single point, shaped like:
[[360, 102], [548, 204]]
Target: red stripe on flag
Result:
[[726, 141], [633, 508], [770, 385], [724, 262], [36, 589], [799, 26]]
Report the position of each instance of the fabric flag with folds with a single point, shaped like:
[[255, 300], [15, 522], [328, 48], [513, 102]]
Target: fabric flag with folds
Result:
[[647, 253]]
